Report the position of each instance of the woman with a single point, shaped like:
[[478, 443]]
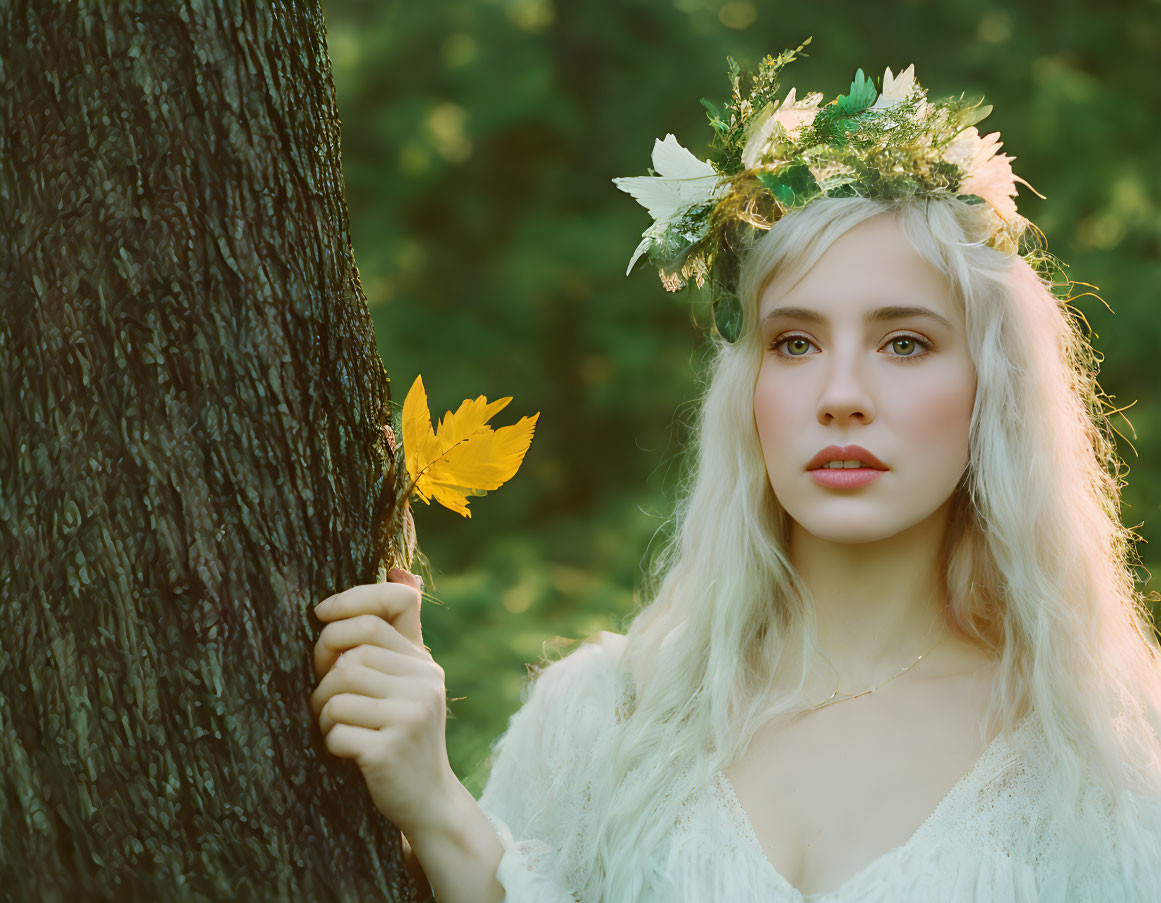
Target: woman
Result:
[[921, 675]]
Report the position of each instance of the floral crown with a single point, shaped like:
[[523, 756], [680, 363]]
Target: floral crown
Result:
[[769, 156]]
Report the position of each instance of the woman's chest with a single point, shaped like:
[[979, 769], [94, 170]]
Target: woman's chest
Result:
[[836, 790]]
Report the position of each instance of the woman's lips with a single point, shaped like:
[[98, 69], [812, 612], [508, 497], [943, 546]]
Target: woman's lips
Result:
[[845, 453], [844, 478]]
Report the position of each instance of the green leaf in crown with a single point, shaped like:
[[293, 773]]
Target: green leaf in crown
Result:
[[793, 186], [861, 96]]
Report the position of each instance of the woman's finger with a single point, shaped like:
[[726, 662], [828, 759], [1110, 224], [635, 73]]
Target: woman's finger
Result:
[[355, 710], [361, 679], [396, 601], [349, 742], [389, 661], [338, 637], [366, 712]]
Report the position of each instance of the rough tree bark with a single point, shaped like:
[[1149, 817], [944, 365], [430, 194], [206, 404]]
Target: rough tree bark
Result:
[[192, 454]]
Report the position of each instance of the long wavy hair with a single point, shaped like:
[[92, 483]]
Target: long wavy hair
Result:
[[1039, 568]]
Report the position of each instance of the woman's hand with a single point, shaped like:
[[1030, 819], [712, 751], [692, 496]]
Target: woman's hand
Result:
[[382, 701]]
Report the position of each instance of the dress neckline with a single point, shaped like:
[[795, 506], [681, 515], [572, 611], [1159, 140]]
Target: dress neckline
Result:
[[998, 745]]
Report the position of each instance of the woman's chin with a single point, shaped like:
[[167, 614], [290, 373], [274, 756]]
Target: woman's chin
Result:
[[849, 530]]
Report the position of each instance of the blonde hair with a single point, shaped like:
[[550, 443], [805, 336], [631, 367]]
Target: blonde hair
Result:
[[1038, 564]]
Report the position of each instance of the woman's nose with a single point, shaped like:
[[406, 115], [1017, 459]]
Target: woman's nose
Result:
[[845, 393]]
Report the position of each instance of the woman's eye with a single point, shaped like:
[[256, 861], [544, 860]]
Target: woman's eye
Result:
[[794, 345], [909, 346]]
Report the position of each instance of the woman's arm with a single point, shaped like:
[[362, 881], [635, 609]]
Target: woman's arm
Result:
[[459, 856]]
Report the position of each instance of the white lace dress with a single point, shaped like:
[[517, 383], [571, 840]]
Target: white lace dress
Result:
[[986, 842]]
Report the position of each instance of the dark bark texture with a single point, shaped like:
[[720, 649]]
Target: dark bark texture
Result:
[[192, 454]]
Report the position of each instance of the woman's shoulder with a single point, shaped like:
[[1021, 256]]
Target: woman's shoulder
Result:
[[612, 645], [594, 660], [579, 675], [565, 705], [1116, 845]]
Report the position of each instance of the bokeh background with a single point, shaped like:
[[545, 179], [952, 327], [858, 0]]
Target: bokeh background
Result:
[[479, 141]]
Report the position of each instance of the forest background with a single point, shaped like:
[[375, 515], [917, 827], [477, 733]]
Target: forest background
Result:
[[479, 140]]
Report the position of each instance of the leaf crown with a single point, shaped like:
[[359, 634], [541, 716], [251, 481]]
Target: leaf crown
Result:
[[772, 154]]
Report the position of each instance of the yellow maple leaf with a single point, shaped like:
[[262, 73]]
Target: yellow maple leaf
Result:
[[466, 457]]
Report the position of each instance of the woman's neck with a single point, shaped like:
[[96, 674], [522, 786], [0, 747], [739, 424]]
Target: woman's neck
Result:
[[879, 604]]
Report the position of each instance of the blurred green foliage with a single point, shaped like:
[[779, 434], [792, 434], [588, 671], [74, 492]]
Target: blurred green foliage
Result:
[[479, 141]]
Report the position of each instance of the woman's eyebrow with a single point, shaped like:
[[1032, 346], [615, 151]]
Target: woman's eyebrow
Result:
[[879, 315]]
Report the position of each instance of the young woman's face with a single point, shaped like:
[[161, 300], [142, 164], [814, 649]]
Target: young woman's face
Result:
[[874, 355]]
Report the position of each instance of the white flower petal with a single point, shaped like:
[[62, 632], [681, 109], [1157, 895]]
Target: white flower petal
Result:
[[641, 249], [683, 181], [896, 88], [665, 198], [673, 161]]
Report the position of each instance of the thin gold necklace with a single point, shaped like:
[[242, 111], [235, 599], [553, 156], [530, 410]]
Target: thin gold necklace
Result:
[[830, 700]]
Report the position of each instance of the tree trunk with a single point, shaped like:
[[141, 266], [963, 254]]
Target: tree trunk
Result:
[[192, 454]]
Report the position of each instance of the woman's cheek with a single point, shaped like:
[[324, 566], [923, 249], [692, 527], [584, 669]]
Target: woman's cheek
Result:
[[941, 420], [768, 412], [778, 419]]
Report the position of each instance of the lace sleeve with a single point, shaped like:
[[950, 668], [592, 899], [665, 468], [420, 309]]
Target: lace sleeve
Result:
[[532, 792]]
